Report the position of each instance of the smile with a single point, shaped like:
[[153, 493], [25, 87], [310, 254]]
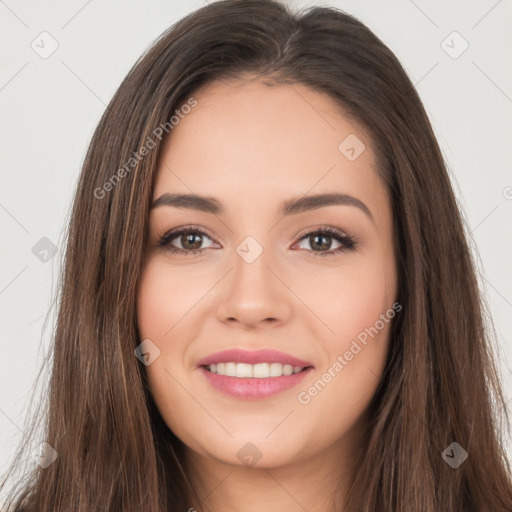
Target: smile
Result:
[[246, 387]]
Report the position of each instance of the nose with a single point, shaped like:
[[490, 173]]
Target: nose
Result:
[[253, 294]]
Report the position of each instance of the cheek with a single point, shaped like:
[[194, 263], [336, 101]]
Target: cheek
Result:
[[166, 296], [364, 300], [158, 312], [349, 299], [165, 315], [344, 386], [153, 301], [161, 305], [364, 325], [358, 309]]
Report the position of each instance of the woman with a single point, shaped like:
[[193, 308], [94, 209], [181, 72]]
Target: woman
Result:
[[268, 301]]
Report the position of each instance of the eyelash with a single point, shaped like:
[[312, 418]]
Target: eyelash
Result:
[[348, 243]]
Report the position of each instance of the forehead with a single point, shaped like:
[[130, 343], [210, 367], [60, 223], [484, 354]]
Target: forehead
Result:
[[248, 141]]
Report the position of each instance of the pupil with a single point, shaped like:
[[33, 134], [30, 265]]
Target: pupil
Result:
[[190, 238], [316, 237]]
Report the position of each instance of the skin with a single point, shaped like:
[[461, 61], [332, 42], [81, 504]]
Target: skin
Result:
[[253, 146]]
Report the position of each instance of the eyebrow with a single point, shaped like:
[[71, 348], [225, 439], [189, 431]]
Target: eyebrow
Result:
[[290, 207]]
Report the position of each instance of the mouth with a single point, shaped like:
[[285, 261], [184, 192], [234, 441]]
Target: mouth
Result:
[[253, 375], [253, 382]]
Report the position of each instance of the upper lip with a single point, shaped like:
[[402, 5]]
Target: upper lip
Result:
[[252, 357]]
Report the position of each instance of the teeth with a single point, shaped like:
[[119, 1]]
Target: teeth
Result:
[[243, 370], [259, 371], [276, 370], [230, 370]]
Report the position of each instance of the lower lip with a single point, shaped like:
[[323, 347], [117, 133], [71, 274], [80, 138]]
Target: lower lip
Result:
[[252, 388]]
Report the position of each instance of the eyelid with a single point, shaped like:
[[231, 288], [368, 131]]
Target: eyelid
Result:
[[320, 227], [187, 227]]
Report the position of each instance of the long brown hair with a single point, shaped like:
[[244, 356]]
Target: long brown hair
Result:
[[440, 385]]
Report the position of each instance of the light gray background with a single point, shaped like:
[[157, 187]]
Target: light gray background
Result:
[[51, 106]]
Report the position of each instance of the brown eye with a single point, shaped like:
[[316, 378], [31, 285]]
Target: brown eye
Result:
[[191, 241], [185, 240], [320, 242]]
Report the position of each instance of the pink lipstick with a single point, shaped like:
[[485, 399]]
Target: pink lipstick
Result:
[[253, 375]]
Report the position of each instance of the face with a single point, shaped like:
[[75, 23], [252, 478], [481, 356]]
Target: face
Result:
[[312, 284]]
